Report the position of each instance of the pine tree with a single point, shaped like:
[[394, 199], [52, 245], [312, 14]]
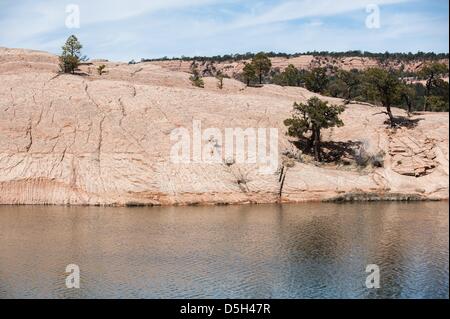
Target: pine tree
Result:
[[196, 79], [71, 55], [262, 65], [220, 78], [249, 73]]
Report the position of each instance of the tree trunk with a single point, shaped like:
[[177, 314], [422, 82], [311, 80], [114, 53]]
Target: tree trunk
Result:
[[310, 143], [260, 77], [349, 93], [391, 117], [317, 155], [408, 103], [427, 94], [425, 103]]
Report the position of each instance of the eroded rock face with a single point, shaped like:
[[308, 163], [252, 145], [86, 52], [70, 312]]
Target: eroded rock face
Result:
[[412, 155], [105, 140]]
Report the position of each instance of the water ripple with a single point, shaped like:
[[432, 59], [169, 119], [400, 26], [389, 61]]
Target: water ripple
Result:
[[267, 251]]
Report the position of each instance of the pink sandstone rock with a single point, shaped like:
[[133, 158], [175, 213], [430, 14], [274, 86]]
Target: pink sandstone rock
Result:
[[105, 140]]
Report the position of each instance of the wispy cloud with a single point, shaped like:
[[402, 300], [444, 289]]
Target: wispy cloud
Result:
[[142, 28], [27, 19], [293, 10]]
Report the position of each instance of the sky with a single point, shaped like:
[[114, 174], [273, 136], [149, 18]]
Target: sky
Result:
[[135, 29]]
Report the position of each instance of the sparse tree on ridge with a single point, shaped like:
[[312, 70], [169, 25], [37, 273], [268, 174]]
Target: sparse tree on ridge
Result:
[[262, 65], [220, 76], [71, 55], [249, 73], [310, 119], [196, 79]]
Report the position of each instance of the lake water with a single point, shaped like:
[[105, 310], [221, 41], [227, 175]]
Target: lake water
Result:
[[269, 251]]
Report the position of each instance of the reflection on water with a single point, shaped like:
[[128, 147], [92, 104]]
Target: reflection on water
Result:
[[270, 251]]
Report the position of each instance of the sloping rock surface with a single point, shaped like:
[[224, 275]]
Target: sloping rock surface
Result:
[[105, 140]]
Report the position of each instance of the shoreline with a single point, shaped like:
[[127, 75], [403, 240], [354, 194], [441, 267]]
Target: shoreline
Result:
[[342, 199]]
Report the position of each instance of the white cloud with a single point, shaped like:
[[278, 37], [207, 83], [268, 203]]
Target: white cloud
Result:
[[121, 30]]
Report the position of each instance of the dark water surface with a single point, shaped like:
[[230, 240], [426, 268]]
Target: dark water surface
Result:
[[270, 251]]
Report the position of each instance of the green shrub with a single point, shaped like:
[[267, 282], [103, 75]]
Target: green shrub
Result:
[[101, 69]]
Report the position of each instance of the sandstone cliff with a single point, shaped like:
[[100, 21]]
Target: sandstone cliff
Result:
[[105, 140]]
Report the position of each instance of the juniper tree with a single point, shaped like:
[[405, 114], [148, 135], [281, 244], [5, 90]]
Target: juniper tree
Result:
[[309, 119], [317, 80], [352, 81], [432, 73], [383, 87], [289, 77], [408, 96]]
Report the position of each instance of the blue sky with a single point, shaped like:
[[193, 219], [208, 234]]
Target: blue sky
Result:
[[134, 29]]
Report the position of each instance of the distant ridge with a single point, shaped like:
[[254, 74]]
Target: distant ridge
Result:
[[355, 53]]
